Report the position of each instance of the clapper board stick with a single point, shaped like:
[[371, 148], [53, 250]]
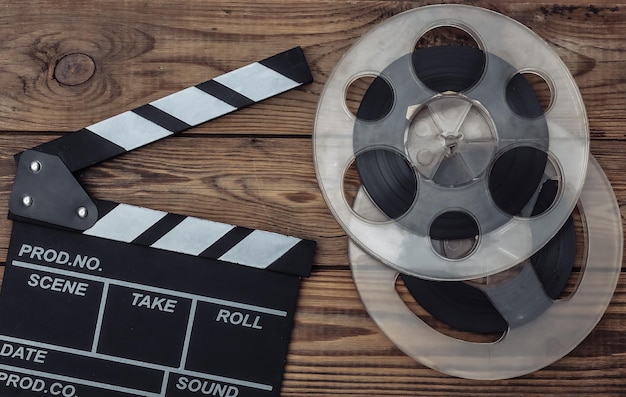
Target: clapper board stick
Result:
[[103, 299], [181, 110], [38, 195]]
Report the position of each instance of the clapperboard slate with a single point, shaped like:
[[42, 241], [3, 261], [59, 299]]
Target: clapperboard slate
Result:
[[101, 299]]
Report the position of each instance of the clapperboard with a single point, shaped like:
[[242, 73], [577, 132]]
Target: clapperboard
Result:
[[102, 299]]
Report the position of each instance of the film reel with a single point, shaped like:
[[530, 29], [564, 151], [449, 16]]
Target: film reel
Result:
[[540, 330], [559, 136]]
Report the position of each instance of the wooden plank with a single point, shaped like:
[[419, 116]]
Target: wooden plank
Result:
[[140, 56], [255, 169]]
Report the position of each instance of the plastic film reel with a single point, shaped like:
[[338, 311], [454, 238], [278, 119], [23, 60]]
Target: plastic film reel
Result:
[[540, 330], [504, 239]]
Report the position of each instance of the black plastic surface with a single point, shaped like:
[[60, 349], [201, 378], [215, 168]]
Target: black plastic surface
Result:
[[138, 321]]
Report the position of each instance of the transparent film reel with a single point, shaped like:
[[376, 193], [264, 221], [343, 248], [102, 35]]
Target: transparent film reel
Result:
[[540, 330], [452, 142]]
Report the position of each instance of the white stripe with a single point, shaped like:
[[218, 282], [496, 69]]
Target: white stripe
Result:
[[193, 106], [166, 380], [256, 81], [103, 302], [129, 130], [260, 249], [125, 223], [190, 320], [192, 236]]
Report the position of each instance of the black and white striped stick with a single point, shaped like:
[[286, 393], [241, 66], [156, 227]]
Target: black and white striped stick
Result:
[[164, 117], [204, 238], [181, 110]]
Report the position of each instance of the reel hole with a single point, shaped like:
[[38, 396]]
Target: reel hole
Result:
[[528, 94], [454, 235], [516, 179], [448, 59], [369, 98], [542, 89]]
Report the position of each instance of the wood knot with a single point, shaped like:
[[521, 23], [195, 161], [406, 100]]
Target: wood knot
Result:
[[74, 69]]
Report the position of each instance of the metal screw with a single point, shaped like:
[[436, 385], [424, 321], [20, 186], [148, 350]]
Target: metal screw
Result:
[[82, 212], [27, 201], [35, 166]]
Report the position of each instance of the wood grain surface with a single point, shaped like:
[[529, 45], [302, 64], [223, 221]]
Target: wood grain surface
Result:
[[67, 64]]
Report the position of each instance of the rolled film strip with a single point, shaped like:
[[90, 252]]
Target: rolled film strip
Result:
[[528, 344], [556, 139]]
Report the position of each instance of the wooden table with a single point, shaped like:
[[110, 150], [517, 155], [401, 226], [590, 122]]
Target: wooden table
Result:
[[65, 65]]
